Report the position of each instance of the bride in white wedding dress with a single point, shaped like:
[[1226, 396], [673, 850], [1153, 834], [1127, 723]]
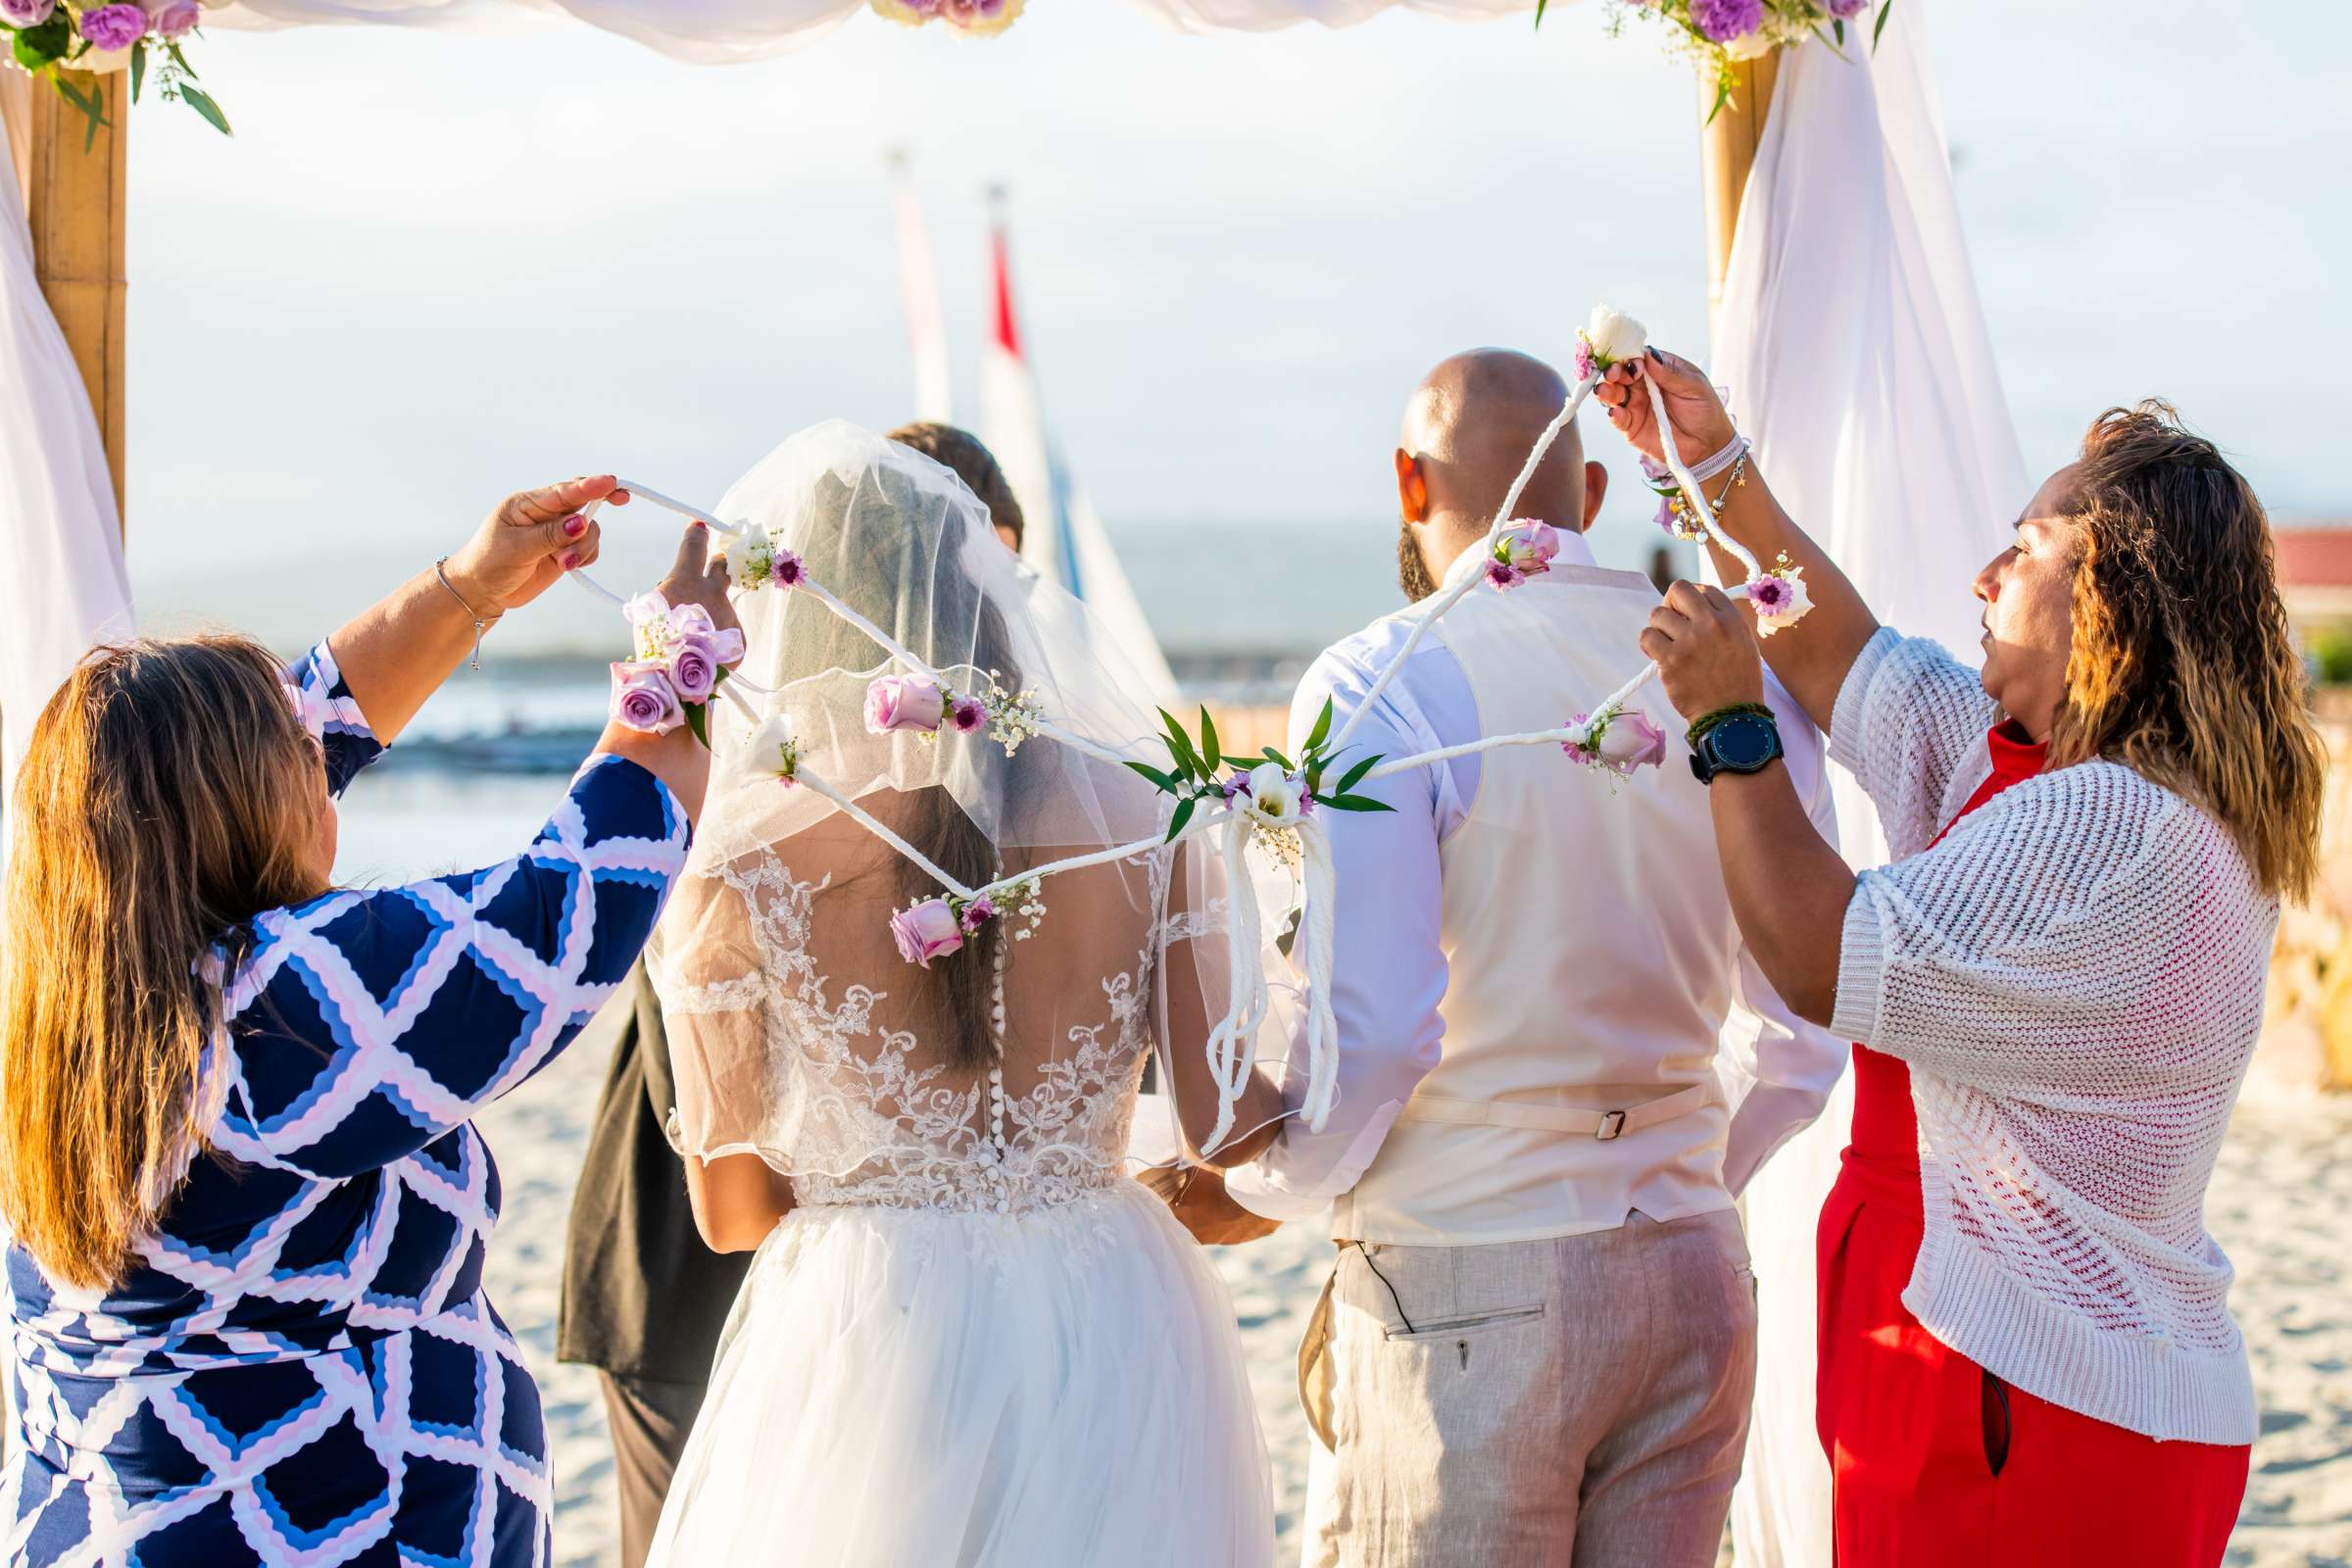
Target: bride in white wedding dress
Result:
[[969, 1337]]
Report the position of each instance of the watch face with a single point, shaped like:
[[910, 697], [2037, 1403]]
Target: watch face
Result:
[[1744, 743]]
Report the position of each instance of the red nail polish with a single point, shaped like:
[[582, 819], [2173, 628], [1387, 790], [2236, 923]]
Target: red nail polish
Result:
[[571, 560], [576, 525]]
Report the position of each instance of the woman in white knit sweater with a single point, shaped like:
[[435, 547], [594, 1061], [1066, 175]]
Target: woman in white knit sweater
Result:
[[2027, 1353]]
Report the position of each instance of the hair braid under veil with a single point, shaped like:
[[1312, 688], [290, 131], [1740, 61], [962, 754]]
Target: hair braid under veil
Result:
[[942, 828]]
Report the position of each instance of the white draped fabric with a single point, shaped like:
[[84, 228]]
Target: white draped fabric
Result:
[[714, 32], [61, 539], [1856, 348]]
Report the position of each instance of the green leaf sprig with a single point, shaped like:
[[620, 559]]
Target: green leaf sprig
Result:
[[1193, 774]]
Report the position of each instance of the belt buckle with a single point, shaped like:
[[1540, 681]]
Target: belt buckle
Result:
[[1611, 1125]]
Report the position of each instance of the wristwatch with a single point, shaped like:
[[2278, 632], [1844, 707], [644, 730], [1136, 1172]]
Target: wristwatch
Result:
[[1742, 743]]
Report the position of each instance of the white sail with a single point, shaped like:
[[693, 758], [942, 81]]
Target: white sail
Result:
[[1064, 539], [919, 283]]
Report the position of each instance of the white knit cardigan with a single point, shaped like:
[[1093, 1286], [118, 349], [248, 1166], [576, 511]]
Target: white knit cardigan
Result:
[[2075, 976]]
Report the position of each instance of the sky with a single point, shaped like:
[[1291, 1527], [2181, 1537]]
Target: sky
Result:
[[436, 267]]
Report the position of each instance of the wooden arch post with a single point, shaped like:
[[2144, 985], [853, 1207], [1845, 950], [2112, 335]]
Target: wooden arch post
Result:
[[75, 191], [1728, 151]]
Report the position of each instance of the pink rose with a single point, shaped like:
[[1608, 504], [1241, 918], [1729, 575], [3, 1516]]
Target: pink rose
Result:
[[174, 19], [644, 700], [926, 931], [1529, 547], [902, 702], [1632, 741], [25, 13], [694, 669]]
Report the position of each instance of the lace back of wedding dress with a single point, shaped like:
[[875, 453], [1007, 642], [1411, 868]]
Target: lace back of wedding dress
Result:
[[856, 1089]]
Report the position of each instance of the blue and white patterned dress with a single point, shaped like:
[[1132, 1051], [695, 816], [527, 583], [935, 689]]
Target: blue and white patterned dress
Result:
[[302, 1368]]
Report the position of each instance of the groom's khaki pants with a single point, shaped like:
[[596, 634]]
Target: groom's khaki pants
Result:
[[1579, 1402]]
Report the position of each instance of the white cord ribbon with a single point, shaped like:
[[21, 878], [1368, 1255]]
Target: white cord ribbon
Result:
[[1233, 1041]]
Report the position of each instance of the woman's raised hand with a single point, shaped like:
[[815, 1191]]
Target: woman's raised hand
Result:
[[1702, 424], [532, 538]]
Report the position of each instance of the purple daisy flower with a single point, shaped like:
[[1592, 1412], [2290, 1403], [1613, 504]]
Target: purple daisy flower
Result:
[[966, 714], [1502, 574], [1771, 595], [786, 572], [978, 912]]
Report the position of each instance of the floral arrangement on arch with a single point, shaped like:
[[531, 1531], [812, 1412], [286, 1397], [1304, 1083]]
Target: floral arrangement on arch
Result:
[[48, 37], [978, 18], [1722, 33]]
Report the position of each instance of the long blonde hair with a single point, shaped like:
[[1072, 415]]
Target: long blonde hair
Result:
[[168, 797], [2183, 666]]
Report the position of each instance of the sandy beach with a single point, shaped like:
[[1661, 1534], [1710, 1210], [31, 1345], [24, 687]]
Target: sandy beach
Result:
[[2279, 1207]]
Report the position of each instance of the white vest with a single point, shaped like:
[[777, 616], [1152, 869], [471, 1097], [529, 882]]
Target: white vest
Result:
[[1591, 952]]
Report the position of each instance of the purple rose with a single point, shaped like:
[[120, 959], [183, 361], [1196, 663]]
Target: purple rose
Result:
[[902, 702], [694, 669], [1725, 19], [1845, 9], [642, 698], [25, 13], [966, 714], [174, 19], [926, 931], [963, 13], [114, 26], [691, 620]]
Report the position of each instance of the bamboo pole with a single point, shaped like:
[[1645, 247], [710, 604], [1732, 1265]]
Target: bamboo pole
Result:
[[75, 201], [1728, 146]]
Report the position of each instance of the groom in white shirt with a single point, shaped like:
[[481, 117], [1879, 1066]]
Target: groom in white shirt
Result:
[[1557, 1065]]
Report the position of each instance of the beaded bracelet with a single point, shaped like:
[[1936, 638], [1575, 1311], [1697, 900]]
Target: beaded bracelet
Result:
[[1707, 722]]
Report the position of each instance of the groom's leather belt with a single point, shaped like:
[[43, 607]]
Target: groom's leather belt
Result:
[[1603, 1125]]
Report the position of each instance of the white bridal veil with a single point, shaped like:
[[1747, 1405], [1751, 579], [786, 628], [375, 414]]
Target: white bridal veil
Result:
[[798, 1028]]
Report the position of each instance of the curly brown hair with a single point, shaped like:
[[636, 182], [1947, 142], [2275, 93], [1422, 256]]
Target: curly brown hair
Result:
[[2183, 668]]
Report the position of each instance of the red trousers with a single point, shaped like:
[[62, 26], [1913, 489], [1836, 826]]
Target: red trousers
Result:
[[1939, 1464]]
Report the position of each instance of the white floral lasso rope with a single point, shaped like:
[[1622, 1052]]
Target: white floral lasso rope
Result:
[[1273, 801]]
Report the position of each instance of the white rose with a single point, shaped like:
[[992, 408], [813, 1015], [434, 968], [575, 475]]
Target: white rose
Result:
[[1273, 794], [104, 62], [1615, 335]]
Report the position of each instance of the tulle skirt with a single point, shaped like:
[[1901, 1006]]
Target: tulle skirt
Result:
[[1050, 1390]]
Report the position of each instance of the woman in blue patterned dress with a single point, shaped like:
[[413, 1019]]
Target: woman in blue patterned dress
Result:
[[247, 1209]]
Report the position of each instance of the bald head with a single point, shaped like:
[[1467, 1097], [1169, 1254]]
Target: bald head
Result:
[[1467, 432], [1472, 422]]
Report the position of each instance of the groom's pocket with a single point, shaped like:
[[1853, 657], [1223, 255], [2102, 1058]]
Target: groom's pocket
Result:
[[1462, 1327]]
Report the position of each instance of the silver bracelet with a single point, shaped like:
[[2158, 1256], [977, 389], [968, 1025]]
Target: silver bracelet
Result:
[[1733, 451], [480, 624]]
